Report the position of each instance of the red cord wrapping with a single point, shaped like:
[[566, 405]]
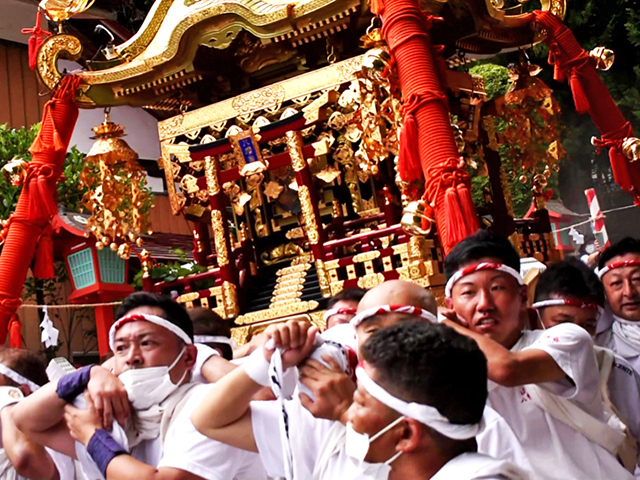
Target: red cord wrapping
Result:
[[590, 94], [405, 30], [37, 201]]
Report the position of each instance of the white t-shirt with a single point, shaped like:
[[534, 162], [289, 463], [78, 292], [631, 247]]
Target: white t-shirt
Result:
[[498, 441], [476, 466], [555, 450], [187, 449], [205, 352]]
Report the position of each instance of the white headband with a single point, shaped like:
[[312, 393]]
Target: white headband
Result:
[[16, 377], [475, 268], [554, 302], [425, 414], [382, 309], [214, 339], [149, 318], [335, 311], [626, 263]]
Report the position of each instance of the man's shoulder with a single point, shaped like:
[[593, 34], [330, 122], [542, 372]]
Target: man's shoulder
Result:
[[476, 466], [562, 334]]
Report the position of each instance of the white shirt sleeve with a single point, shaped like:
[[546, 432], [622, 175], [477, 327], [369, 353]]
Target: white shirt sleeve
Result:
[[205, 352], [64, 464], [265, 421], [572, 349]]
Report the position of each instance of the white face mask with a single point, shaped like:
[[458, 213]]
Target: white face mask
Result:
[[150, 386], [357, 444]]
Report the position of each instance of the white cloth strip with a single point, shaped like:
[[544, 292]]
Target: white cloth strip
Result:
[[607, 268], [214, 339], [555, 302], [16, 377], [425, 414], [475, 268], [149, 318], [382, 309]]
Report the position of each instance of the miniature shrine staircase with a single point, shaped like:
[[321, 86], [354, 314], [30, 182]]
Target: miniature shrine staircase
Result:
[[278, 285]]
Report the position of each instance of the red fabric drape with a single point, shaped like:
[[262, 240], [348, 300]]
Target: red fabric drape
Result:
[[405, 28], [37, 202], [590, 95], [15, 332]]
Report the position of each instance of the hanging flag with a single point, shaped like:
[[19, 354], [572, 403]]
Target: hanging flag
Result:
[[597, 219], [49, 332]]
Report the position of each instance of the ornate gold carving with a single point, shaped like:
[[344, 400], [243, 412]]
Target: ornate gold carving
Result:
[[311, 82], [279, 291], [188, 297], [53, 48], [337, 287], [295, 269], [211, 174], [189, 184], [323, 279], [136, 44], [291, 281], [286, 296], [294, 144], [366, 256], [271, 96], [248, 155], [311, 226], [271, 313], [219, 232], [239, 335], [332, 264], [230, 299], [370, 281], [317, 318]]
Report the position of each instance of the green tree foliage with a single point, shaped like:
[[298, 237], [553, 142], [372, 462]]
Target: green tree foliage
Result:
[[15, 143]]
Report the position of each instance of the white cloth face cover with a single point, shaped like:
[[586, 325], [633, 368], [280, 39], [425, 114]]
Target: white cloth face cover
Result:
[[150, 386], [16, 377], [215, 339], [181, 334], [357, 444], [627, 331], [475, 268], [425, 414], [382, 309]]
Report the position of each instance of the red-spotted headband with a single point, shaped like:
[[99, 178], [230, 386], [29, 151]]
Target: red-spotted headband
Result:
[[480, 266], [555, 302], [409, 310], [625, 263], [148, 318], [338, 311]]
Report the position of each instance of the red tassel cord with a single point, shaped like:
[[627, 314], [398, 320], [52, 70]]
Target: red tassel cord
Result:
[[35, 40]]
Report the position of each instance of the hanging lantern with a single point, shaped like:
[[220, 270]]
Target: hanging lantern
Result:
[[117, 196]]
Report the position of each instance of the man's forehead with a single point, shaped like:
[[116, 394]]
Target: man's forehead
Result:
[[139, 327], [624, 258]]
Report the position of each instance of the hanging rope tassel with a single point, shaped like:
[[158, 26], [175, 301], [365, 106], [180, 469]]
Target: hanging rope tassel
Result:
[[579, 97], [467, 208], [409, 161], [456, 228], [35, 40], [43, 264], [15, 331]]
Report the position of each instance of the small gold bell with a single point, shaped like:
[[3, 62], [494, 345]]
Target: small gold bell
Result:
[[523, 179], [124, 251], [416, 218], [604, 58], [376, 64], [631, 148], [15, 171]]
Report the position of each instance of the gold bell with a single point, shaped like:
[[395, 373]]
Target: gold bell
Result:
[[124, 251], [15, 171], [604, 58], [416, 220], [631, 148]]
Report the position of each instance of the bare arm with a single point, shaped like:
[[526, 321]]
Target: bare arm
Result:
[[216, 367], [27, 457], [513, 368], [40, 411], [125, 467]]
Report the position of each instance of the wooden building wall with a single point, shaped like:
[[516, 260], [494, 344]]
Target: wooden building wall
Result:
[[162, 220], [20, 102]]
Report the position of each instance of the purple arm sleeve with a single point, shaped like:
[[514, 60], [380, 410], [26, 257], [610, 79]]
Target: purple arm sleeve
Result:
[[103, 448], [73, 384]]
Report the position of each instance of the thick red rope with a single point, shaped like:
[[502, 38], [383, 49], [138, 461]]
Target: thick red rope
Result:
[[37, 202], [405, 28], [590, 94]]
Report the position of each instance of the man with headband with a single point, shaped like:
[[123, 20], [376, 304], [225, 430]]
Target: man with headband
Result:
[[569, 291], [536, 376], [393, 428], [154, 353], [342, 307], [619, 328], [21, 373]]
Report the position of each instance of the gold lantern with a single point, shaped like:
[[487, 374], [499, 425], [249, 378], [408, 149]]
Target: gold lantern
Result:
[[117, 196]]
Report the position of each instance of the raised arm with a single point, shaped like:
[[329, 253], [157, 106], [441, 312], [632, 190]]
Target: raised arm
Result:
[[513, 368], [224, 413]]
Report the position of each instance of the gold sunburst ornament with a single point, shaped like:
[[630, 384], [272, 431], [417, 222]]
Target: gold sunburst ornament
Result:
[[118, 197], [61, 10]]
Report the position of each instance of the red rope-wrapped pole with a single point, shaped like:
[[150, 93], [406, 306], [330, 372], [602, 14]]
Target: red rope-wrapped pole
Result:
[[426, 118], [37, 202], [591, 95]]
